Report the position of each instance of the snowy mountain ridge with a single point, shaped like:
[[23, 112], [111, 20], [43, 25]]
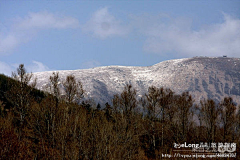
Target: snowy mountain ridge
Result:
[[203, 77]]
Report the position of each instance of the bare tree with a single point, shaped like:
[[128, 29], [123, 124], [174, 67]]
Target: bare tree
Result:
[[238, 124], [73, 90], [153, 108], [153, 102], [228, 117], [184, 104], [2, 108], [127, 101], [209, 117], [158, 103], [20, 92], [54, 87], [54, 84]]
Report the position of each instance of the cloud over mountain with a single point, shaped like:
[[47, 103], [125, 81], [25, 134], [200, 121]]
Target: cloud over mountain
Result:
[[165, 34], [35, 66], [5, 68], [162, 34], [102, 24]]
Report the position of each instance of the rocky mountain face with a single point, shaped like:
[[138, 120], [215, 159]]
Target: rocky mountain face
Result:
[[203, 77]]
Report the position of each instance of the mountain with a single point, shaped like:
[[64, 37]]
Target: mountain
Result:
[[203, 77]]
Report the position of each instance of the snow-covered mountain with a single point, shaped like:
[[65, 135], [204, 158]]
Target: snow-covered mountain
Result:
[[203, 77]]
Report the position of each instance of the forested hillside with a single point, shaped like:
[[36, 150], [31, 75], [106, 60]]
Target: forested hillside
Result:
[[51, 125]]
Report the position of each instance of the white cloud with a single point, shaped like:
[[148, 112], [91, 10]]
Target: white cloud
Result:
[[163, 34], [46, 20], [8, 43], [25, 28], [37, 67], [90, 64], [166, 35], [103, 25], [6, 69], [171, 36]]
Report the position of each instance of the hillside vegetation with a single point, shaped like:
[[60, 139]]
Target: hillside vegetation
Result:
[[49, 125]]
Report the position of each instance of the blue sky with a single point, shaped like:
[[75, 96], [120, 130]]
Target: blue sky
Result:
[[68, 35]]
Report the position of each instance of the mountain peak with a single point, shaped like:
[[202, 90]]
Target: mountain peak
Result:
[[203, 77]]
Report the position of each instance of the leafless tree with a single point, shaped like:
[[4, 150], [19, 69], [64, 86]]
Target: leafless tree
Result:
[[209, 117], [127, 101], [228, 117], [184, 104], [20, 92], [73, 90]]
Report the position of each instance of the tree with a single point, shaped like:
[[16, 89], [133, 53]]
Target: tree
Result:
[[209, 117], [108, 112], [54, 87], [153, 102], [2, 109], [184, 104], [238, 124], [98, 107], [228, 117], [158, 103], [127, 101], [54, 84], [20, 93], [73, 90], [126, 124]]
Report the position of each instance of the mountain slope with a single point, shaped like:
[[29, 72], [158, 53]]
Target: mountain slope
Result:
[[6, 84], [203, 77]]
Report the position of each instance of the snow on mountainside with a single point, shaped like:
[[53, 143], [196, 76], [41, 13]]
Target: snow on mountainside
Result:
[[203, 77]]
